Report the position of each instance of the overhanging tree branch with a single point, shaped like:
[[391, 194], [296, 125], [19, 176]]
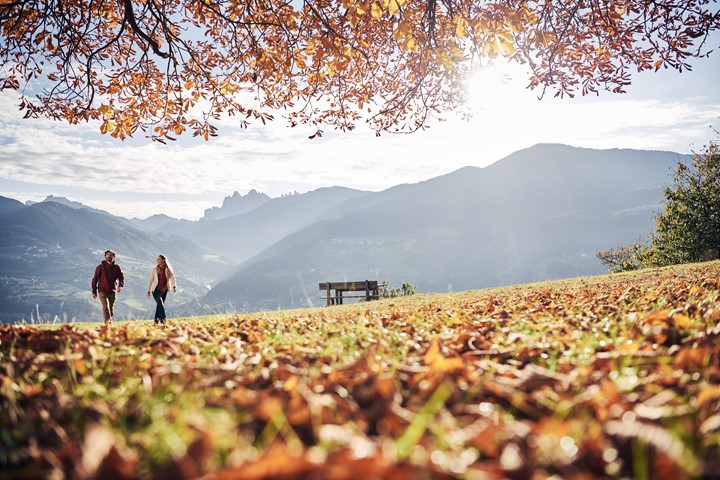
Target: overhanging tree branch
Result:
[[394, 64]]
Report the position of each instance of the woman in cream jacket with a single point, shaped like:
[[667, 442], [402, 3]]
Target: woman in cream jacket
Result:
[[162, 279]]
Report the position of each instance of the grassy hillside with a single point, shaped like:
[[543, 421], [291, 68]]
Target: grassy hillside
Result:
[[608, 376]]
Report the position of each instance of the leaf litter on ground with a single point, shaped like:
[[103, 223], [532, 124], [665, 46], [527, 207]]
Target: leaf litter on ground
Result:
[[608, 376]]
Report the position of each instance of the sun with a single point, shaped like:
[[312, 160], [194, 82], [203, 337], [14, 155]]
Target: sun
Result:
[[497, 85]]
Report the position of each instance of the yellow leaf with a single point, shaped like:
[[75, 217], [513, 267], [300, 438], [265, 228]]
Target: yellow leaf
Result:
[[228, 88], [376, 11], [460, 28], [401, 31], [107, 126], [447, 365], [433, 354], [455, 52], [80, 367], [409, 44], [681, 320], [291, 384], [506, 43], [105, 110], [531, 16], [490, 48], [269, 407], [315, 78], [393, 7], [445, 60], [695, 290], [629, 346], [711, 392], [331, 70]]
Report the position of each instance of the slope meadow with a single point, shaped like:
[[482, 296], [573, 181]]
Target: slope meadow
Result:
[[609, 376]]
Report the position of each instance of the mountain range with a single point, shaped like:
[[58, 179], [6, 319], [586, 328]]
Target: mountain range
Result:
[[48, 252], [541, 213]]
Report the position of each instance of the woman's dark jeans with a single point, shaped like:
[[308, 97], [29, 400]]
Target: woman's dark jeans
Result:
[[160, 308]]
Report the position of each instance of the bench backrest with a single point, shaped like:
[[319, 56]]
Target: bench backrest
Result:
[[357, 286]]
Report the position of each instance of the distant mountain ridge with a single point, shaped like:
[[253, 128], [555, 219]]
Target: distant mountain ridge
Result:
[[241, 235], [538, 214], [48, 252], [244, 235], [160, 223], [10, 205], [61, 200], [236, 204]]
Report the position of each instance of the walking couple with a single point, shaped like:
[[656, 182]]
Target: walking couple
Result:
[[109, 280]]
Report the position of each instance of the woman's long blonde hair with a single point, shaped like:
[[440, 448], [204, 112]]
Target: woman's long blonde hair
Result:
[[168, 267]]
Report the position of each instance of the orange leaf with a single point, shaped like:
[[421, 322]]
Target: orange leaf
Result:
[[433, 354]]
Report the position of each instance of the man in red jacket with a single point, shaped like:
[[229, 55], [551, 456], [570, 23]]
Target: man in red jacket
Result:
[[107, 281]]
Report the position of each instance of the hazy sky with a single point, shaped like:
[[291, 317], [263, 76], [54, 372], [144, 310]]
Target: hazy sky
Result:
[[664, 110]]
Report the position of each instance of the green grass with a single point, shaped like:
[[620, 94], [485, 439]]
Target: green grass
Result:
[[607, 376]]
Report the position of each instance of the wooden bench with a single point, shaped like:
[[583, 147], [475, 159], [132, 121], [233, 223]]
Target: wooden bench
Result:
[[335, 291]]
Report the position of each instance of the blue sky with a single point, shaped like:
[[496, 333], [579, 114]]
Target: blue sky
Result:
[[663, 110]]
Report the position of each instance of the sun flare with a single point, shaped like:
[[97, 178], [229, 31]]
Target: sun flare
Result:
[[499, 85]]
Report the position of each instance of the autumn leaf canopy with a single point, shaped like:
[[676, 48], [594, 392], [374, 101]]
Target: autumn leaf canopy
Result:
[[166, 67]]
